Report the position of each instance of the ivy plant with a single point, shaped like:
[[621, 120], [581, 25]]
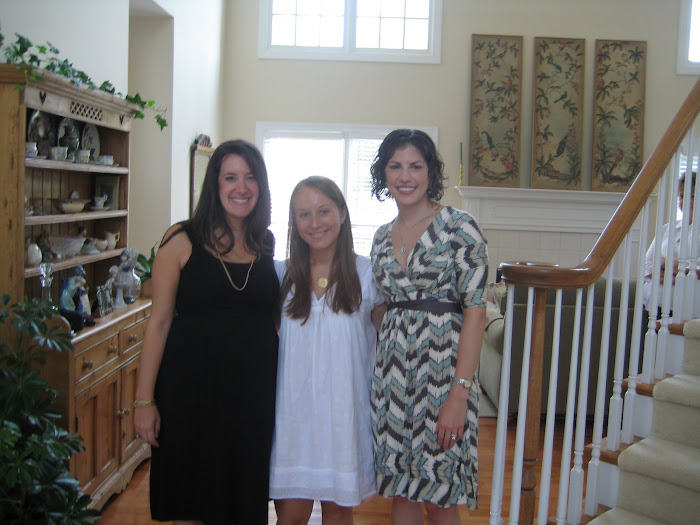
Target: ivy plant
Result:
[[30, 57]]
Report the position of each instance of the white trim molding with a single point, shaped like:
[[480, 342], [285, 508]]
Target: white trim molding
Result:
[[539, 210], [553, 226]]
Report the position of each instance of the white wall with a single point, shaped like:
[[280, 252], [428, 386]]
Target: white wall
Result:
[[177, 57], [438, 95], [94, 36]]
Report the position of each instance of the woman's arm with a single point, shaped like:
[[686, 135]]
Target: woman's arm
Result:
[[378, 314], [453, 413], [169, 261]]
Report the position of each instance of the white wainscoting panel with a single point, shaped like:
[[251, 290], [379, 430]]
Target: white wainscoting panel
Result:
[[553, 226]]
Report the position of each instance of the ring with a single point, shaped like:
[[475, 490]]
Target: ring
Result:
[[453, 436]]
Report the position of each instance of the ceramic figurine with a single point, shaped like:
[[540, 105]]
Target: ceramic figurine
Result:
[[119, 295], [71, 286]]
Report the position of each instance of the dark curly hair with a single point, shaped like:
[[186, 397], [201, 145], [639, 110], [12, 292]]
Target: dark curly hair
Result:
[[424, 144]]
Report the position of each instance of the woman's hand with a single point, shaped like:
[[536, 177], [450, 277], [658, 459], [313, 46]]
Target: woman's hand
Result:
[[452, 416], [147, 424]]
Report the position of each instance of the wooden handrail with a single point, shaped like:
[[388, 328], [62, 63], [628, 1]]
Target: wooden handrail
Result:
[[543, 275]]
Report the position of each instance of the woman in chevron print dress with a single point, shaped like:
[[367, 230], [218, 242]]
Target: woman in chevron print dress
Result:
[[430, 264]]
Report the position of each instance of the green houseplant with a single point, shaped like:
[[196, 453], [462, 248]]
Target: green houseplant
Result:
[[144, 269], [29, 57], [35, 483]]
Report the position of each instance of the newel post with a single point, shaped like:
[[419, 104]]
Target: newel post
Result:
[[528, 501]]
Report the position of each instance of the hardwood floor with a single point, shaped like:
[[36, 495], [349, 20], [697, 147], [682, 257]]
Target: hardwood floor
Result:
[[131, 507]]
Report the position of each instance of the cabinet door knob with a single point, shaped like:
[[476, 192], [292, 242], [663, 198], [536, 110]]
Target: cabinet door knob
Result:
[[132, 338], [126, 411], [112, 349], [120, 414], [87, 365]]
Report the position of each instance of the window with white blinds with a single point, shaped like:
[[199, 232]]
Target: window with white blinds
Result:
[[343, 153]]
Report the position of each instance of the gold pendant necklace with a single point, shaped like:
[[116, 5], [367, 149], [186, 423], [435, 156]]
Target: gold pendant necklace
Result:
[[229, 275], [322, 282]]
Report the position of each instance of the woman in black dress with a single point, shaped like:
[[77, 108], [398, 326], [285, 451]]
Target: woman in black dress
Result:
[[205, 397]]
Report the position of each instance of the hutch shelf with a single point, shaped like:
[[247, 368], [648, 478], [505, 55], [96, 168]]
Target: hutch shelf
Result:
[[97, 381]]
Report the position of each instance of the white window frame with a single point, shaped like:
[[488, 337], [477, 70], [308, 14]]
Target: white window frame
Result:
[[348, 52], [309, 130], [683, 65]]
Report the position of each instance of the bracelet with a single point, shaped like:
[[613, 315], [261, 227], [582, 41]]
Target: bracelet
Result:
[[144, 404], [466, 383]]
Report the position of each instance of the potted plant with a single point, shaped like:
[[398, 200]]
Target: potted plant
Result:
[[35, 483], [144, 269]]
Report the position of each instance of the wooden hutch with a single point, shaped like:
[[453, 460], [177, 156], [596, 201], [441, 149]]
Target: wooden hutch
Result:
[[97, 381]]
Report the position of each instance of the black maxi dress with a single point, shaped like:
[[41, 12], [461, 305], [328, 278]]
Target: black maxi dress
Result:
[[216, 395]]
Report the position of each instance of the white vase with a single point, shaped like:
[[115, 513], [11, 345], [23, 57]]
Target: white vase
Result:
[[32, 254]]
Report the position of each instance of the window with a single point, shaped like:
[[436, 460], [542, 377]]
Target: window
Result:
[[361, 30], [342, 153], [688, 60]]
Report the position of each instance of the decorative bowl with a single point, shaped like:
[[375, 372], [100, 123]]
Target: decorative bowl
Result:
[[66, 246], [71, 205]]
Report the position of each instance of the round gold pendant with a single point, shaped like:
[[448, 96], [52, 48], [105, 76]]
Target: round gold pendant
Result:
[[322, 282]]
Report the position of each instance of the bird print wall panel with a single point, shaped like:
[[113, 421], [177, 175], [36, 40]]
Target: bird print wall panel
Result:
[[557, 120], [494, 137], [618, 114]]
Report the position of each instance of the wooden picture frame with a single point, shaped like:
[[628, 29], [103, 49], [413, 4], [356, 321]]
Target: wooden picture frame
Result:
[[108, 185], [201, 151], [557, 120], [618, 114], [496, 96]]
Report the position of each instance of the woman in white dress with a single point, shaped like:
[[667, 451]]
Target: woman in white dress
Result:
[[323, 446]]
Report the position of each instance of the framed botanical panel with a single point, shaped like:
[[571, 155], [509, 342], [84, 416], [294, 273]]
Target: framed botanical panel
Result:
[[557, 122], [618, 115], [494, 135]]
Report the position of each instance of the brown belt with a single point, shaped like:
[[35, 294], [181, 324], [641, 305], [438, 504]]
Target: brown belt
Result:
[[428, 305]]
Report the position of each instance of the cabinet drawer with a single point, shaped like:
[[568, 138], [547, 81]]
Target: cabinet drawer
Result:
[[96, 357], [131, 336]]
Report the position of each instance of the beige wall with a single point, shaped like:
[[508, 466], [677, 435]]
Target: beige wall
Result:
[[223, 90], [437, 95], [93, 35], [173, 56], [179, 57]]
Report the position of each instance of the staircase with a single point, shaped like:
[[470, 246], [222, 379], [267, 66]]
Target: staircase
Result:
[[655, 479], [660, 475]]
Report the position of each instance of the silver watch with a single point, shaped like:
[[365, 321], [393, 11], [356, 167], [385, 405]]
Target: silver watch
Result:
[[466, 383]]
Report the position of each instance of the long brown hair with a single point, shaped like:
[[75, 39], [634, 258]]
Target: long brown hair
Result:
[[343, 281], [209, 215]]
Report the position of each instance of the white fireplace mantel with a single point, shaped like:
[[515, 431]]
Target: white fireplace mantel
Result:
[[526, 209], [555, 226]]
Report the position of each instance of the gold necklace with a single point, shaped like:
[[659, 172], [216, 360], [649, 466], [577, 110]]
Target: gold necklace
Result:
[[322, 282], [229, 275]]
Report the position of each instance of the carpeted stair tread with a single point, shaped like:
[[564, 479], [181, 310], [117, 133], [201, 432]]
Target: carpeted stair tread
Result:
[[620, 516], [677, 423], [691, 329], [663, 460], [691, 357], [658, 499], [683, 389]]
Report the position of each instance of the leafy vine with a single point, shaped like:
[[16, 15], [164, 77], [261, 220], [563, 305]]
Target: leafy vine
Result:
[[29, 57]]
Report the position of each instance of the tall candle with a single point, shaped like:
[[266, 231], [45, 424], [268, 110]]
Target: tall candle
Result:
[[460, 154]]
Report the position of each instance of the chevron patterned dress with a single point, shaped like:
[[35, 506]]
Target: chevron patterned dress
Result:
[[416, 358]]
